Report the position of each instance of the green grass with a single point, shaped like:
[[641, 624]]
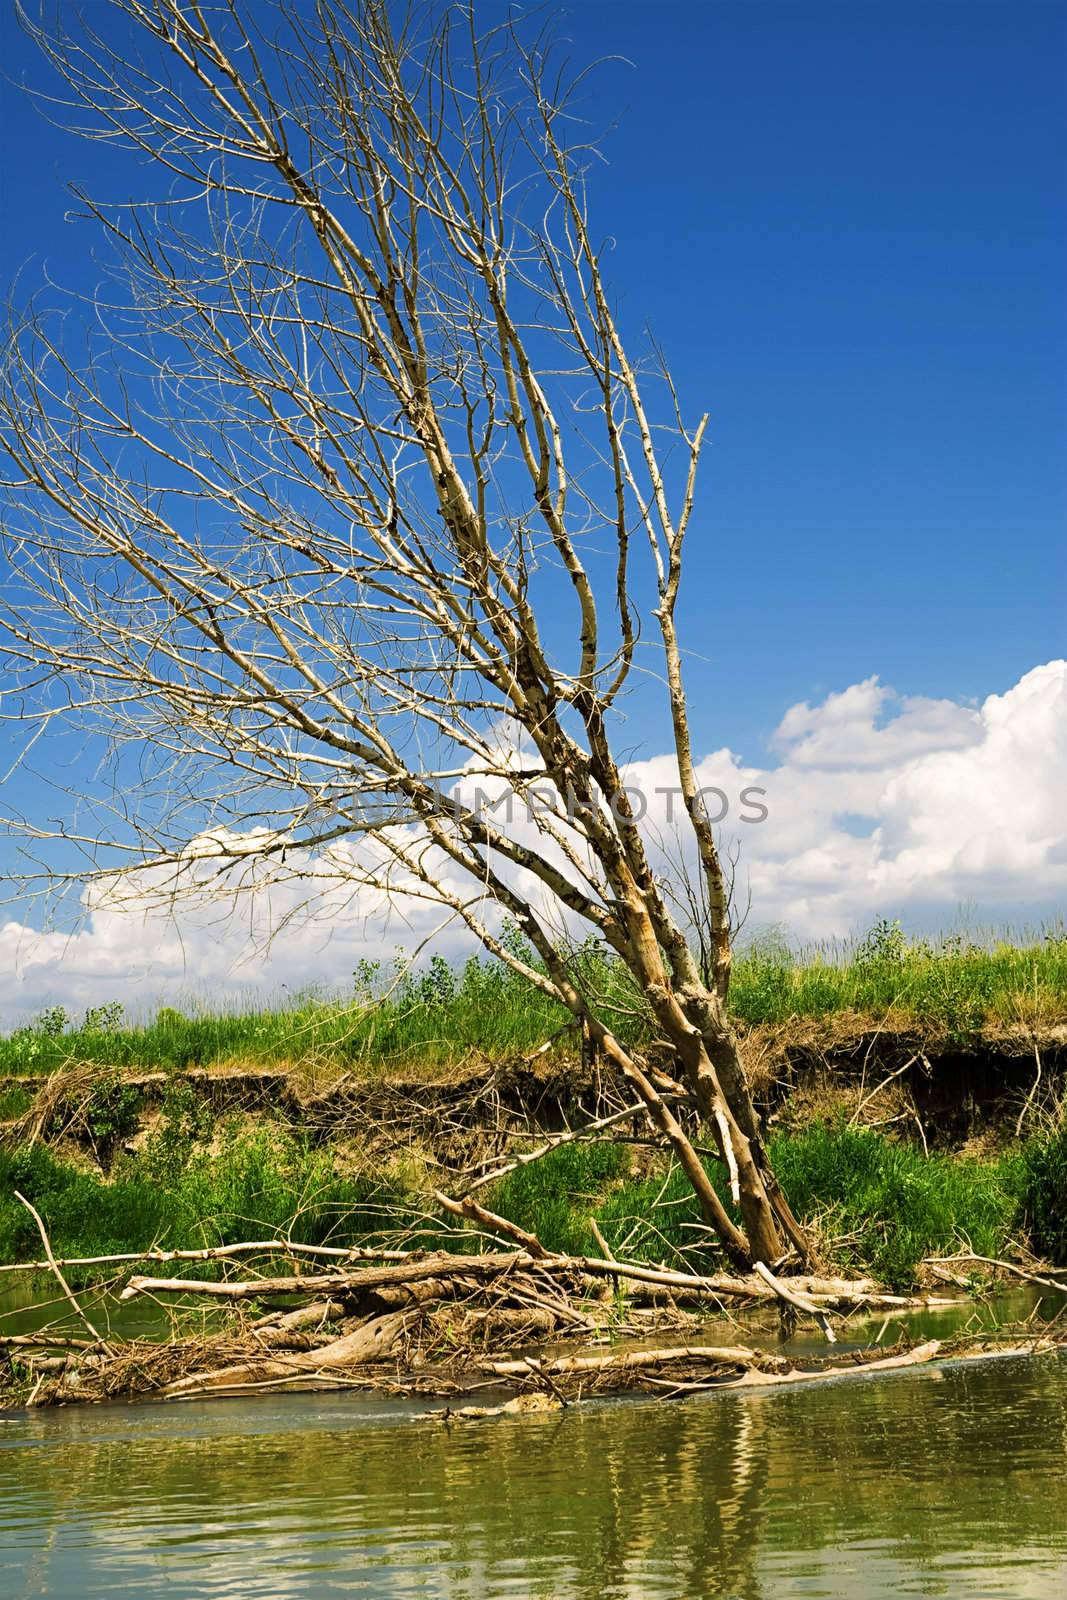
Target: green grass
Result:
[[435, 1018], [198, 1182], [882, 1204], [1043, 1193], [555, 1197], [258, 1187], [889, 1204], [955, 984], [439, 1018], [885, 1204], [13, 1102]]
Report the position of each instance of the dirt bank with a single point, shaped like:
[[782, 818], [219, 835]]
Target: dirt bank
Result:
[[949, 1091]]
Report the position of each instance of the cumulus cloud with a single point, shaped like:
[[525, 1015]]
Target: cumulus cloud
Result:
[[877, 805], [912, 807], [269, 931]]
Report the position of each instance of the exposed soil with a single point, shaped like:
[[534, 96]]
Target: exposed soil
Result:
[[950, 1093], [961, 1091], [448, 1334]]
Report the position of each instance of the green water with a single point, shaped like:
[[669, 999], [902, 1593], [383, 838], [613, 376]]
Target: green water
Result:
[[948, 1481]]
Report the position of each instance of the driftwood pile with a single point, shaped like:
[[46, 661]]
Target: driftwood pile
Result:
[[499, 1313], [545, 1328]]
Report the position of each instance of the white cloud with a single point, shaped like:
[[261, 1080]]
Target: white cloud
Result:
[[309, 926], [878, 806], [847, 731], [963, 806]]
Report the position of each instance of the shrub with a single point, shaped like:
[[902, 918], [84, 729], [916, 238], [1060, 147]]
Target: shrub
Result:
[[555, 1197], [1043, 1193]]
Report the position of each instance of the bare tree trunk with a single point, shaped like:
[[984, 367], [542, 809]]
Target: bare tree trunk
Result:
[[304, 552]]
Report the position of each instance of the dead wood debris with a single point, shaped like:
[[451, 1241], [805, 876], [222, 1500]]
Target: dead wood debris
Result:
[[439, 1323], [447, 1325]]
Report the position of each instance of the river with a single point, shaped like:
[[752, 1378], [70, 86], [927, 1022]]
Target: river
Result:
[[945, 1481]]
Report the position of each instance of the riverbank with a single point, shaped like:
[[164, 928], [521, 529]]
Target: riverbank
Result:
[[918, 1146], [365, 1270], [893, 1146]]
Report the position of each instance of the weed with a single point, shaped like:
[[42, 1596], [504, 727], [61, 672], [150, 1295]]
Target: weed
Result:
[[887, 1204], [1042, 1181], [111, 1113]]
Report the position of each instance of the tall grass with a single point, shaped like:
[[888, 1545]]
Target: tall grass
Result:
[[1043, 1193], [886, 1205], [880, 1206], [555, 1197], [956, 983], [438, 1018], [257, 1185], [435, 1018]]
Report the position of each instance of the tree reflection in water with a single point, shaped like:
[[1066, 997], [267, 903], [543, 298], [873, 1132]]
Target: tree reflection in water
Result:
[[947, 1482]]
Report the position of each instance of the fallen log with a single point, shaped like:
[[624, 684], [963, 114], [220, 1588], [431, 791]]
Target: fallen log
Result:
[[222, 1252], [831, 1292], [1043, 1282], [309, 1316], [638, 1360], [435, 1266], [291, 1339], [371, 1341], [760, 1368], [45, 1341], [910, 1358]]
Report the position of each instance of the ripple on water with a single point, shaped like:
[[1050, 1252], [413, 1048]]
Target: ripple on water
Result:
[[948, 1483]]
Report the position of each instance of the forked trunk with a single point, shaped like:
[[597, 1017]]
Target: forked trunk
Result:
[[723, 1114]]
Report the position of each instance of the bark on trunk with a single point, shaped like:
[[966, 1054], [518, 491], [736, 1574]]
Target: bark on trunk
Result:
[[716, 1106]]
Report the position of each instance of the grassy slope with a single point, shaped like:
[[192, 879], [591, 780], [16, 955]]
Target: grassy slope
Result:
[[882, 1203], [438, 1018]]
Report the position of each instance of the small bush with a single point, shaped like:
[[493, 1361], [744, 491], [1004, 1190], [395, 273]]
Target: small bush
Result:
[[1043, 1194], [112, 1114], [888, 1203], [84, 1215]]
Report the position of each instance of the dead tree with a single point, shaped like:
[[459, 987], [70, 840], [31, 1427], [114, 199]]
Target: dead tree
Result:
[[352, 415]]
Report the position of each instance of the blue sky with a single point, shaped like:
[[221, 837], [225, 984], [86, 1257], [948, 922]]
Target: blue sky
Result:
[[846, 224]]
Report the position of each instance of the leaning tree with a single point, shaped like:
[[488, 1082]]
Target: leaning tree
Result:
[[350, 497]]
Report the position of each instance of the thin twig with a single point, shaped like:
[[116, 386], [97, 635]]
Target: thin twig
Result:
[[63, 1284], [1030, 1097], [571, 1137], [876, 1092]]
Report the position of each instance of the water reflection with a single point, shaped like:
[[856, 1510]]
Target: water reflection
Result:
[[927, 1483]]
